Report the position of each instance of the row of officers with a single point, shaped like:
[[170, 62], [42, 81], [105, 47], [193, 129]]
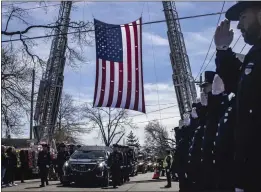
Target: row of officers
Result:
[[219, 146]]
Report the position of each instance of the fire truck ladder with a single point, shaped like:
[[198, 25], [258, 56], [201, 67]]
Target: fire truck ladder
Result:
[[182, 77], [51, 85]]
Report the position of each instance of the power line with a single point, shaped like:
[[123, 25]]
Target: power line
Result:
[[210, 43], [216, 51], [146, 23]]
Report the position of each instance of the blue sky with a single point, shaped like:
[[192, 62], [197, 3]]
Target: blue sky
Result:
[[197, 32]]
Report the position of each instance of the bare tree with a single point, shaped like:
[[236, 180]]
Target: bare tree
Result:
[[15, 87], [110, 122], [157, 138], [81, 33], [69, 125]]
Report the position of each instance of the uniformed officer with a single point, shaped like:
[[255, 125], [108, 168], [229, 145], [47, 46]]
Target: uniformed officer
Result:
[[186, 133], [127, 164], [225, 149], [130, 160], [243, 79], [167, 165], [71, 149], [217, 104], [43, 162], [120, 150], [115, 163], [61, 159]]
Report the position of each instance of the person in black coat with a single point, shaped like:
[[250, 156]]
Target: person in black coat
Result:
[[44, 161], [195, 172], [217, 104], [24, 164], [243, 79], [11, 166], [186, 134], [62, 157], [115, 163], [225, 148], [4, 164]]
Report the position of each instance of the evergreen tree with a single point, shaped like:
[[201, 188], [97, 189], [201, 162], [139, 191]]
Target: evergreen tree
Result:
[[132, 140]]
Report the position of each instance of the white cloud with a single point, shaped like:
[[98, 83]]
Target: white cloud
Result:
[[155, 39]]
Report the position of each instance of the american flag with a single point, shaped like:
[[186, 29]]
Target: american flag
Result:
[[119, 76]]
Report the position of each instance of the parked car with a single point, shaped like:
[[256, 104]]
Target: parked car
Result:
[[88, 164], [142, 164], [150, 164]]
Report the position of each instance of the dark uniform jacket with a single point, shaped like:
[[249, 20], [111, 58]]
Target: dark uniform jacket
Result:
[[195, 150], [44, 159], [216, 109], [224, 153], [115, 160], [244, 80], [61, 157]]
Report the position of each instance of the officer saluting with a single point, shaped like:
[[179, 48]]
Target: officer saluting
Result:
[[44, 161], [243, 79]]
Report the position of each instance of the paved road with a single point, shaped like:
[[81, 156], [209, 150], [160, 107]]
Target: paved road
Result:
[[142, 182]]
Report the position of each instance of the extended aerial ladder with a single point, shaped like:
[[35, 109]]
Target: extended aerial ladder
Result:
[[50, 89], [182, 77]]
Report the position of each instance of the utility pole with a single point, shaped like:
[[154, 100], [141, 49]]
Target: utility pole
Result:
[[32, 104], [50, 89], [182, 77]]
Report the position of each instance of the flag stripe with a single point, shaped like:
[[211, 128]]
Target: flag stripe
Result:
[[96, 81], [125, 67], [99, 82], [140, 77], [136, 66], [133, 67], [143, 101], [120, 84], [111, 83], [107, 84], [103, 80], [116, 84], [129, 74]]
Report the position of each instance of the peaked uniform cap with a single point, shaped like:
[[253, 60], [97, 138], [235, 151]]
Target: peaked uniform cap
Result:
[[234, 12]]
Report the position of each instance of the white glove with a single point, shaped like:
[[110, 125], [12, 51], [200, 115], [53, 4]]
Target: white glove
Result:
[[223, 36], [239, 190], [217, 85], [47, 166], [186, 120], [194, 113], [204, 99]]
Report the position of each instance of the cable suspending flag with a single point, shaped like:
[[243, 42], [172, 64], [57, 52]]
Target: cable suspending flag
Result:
[[119, 75]]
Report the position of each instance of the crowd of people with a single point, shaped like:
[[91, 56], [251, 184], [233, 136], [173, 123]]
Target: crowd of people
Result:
[[9, 166], [218, 144], [15, 163]]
